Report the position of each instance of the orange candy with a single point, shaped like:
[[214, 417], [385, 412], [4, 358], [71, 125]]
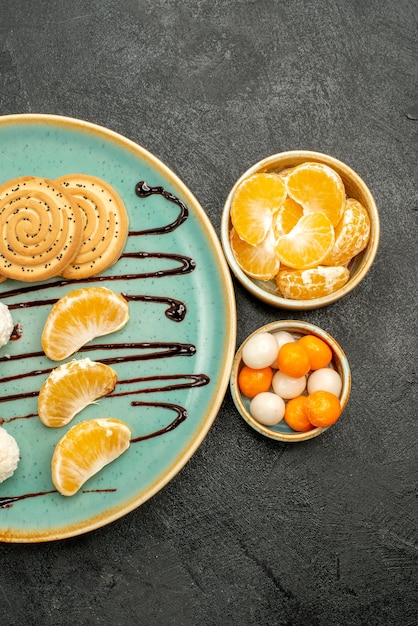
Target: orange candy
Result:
[[295, 415], [254, 381], [322, 408], [319, 352], [293, 360]]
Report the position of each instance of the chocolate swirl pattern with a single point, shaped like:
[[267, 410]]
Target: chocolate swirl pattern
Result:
[[40, 229], [105, 225]]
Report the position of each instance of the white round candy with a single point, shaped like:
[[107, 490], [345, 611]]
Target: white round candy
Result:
[[260, 351], [325, 379], [267, 408], [287, 387], [282, 337]]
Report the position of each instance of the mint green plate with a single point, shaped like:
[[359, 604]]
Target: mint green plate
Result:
[[186, 386]]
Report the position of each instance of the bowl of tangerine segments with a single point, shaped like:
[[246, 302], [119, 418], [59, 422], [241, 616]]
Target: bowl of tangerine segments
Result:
[[300, 230], [290, 381]]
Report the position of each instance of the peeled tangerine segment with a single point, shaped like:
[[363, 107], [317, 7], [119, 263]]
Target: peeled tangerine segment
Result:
[[71, 387], [259, 262], [352, 234], [319, 188], [79, 317], [308, 243], [85, 449], [255, 201], [286, 217], [311, 283]]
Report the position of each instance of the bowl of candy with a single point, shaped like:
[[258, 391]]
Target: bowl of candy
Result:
[[290, 381], [300, 230]]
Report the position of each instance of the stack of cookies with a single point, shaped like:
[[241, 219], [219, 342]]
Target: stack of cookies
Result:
[[75, 227]]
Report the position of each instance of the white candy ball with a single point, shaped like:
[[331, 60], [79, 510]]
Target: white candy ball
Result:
[[267, 408], [287, 387], [260, 351], [325, 379]]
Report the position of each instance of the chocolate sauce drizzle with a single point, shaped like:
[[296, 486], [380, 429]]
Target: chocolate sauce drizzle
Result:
[[176, 310], [142, 190], [181, 415], [167, 349], [126, 352], [8, 501], [186, 264]]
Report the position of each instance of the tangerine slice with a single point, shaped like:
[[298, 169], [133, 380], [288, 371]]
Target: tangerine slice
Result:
[[352, 234], [255, 201], [260, 261], [85, 449], [286, 217], [318, 188], [80, 316], [71, 387], [311, 283], [308, 243]]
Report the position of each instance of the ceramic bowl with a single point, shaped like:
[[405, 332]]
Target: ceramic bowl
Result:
[[355, 187], [281, 431]]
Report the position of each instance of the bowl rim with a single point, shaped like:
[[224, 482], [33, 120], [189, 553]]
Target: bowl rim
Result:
[[294, 327], [368, 255]]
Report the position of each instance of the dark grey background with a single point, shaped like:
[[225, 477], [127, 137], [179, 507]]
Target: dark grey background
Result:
[[250, 531]]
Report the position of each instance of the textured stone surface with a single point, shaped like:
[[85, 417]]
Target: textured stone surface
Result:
[[250, 532]]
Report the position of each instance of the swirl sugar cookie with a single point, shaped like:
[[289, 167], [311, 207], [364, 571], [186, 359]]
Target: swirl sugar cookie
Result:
[[40, 229], [105, 225]]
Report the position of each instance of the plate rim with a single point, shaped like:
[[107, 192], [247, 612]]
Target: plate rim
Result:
[[96, 522]]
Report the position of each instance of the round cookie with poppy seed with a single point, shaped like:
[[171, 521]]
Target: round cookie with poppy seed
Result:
[[105, 225], [40, 229]]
